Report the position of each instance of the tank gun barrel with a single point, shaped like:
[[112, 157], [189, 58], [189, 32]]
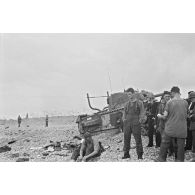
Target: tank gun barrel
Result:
[[159, 95], [98, 96]]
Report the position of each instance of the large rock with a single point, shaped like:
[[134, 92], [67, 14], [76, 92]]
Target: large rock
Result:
[[5, 149], [15, 155], [11, 142], [22, 160], [45, 153]]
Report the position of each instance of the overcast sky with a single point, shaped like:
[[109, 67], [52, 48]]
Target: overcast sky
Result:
[[52, 73]]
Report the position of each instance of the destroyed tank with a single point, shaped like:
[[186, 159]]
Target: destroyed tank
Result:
[[109, 119]]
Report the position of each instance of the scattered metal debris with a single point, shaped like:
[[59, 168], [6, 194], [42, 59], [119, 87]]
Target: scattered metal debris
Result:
[[36, 148], [106, 147], [5, 149], [11, 142], [45, 153], [26, 154], [15, 155], [27, 140], [22, 160], [50, 149]]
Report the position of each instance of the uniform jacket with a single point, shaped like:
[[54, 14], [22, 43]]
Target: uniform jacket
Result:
[[134, 111], [192, 117]]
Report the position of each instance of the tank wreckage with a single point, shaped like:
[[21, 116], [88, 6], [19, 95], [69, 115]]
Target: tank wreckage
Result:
[[109, 118]]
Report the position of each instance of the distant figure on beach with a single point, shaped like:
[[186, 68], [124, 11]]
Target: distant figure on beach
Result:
[[46, 121], [19, 120], [27, 116]]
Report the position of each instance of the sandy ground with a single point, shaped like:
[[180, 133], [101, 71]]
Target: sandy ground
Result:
[[30, 139]]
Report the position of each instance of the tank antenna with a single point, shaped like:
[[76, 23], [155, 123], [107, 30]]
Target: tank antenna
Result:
[[123, 84], [109, 81]]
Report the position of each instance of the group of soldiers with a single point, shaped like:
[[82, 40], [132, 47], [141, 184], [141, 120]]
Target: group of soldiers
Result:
[[172, 120]]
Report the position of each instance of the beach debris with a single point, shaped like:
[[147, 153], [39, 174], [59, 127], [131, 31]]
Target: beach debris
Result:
[[15, 155], [45, 153], [70, 146], [119, 141], [106, 147], [36, 148], [77, 137], [27, 140], [58, 154], [22, 160], [53, 146], [11, 142], [50, 149], [5, 149], [26, 154], [57, 149]]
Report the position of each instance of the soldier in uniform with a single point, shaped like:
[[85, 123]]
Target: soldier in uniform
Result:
[[151, 111], [130, 90], [175, 131], [192, 122], [188, 145], [88, 149], [19, 120], [161, 122], [134, 116], [46, 121], [27, 116]]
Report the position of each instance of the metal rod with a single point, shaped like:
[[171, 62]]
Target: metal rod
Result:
[[99, 97], [103, 130], [90, 104]]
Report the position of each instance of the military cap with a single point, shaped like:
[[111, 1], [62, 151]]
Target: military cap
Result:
[[192, 95]]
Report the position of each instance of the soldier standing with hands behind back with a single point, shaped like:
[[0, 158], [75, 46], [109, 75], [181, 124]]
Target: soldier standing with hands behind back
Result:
[[134, 116]]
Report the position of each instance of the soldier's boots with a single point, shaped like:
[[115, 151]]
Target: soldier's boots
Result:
[[193, 158], [157, 160], [140, 157], [149, 145], [126, 155]]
